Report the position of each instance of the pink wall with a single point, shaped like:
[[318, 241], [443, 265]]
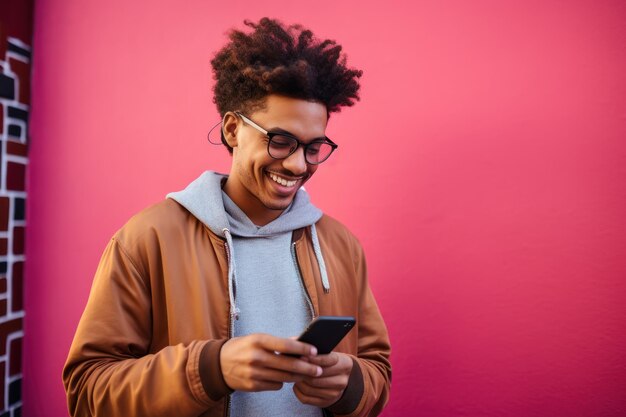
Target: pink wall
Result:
[[484, 171]]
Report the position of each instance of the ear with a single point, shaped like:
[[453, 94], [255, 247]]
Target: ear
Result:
[[230, 124]]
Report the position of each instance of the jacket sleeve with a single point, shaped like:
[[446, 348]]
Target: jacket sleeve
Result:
[[370, 380], [110, 370]]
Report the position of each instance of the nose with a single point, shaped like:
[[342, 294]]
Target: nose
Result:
[[296, 163]]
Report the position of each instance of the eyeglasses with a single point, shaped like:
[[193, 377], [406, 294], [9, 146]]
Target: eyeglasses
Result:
[[280, 145]]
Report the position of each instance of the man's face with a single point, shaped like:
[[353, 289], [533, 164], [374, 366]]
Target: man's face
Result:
[[263, 186]]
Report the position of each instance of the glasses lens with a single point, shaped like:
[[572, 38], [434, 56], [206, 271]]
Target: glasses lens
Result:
[[318, 152], [282, 146]]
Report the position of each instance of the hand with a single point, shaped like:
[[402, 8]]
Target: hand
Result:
[[255, 363], [327, 389]]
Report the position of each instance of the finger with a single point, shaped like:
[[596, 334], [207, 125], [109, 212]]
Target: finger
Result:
[[325, 361], [270, 386], [316, 393], [305, 398], [252, 385], [274, 375], [288, 364], [287, 346], [331, 382]]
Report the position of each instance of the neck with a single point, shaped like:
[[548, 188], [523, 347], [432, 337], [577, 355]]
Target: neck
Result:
[[250, 205]]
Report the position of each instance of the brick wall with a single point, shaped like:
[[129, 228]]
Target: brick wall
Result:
[[14, 105]]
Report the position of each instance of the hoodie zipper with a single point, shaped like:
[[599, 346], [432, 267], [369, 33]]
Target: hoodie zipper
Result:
[[231, 327], [304, 290]]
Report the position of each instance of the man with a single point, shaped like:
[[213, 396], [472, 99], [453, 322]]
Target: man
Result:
[[196, 299]]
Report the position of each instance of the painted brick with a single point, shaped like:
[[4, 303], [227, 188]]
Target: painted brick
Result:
[[6, 329], [17, 287], [17, 148], [22, 70], [3, 50], [15, 356], [3, 307], [16, 175], [4, 242], [18, 240], [3, 285], [4, 213]]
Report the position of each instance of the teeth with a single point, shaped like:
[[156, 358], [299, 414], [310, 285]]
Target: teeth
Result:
[[282, 181]]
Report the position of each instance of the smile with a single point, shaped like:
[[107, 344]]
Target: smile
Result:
[[282, 181]]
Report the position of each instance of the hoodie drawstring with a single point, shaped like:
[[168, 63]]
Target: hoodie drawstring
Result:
[[232, 279], [320, 259]]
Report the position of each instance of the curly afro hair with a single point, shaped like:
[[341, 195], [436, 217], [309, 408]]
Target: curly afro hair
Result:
[[279, 59]]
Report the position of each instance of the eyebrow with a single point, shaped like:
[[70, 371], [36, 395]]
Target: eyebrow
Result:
[[286, 132]]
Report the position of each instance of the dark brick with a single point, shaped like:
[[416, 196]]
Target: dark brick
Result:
[[19, 50], [4, 213], [7, 87], [8, 413], [17, 411], [3, 307], [17, 287], [16, 176], [17, 113], [15, 356], [19, 209], [15, 131], [3, 285], [3, 267], [17, 148], [3, 246], [2, 386], [18, 240], [1, 118], [15, 391]]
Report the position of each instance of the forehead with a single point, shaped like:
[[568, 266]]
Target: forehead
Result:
[[306, 119]]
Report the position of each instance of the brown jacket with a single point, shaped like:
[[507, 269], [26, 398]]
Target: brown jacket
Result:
[[158, 313]]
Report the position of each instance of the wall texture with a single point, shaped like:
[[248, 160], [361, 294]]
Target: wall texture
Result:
[[484, 171]]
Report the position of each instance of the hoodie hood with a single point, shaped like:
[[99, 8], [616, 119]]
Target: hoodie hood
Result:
[[205, 200]]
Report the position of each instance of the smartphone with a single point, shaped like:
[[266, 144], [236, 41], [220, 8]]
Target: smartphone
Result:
[[325, 332]]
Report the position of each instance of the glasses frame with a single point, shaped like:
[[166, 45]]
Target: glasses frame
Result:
[[270, 135]]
